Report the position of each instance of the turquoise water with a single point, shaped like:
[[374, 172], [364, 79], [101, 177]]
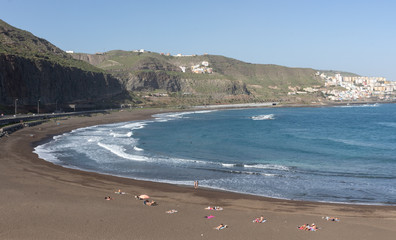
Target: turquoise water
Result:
[[330, 154]]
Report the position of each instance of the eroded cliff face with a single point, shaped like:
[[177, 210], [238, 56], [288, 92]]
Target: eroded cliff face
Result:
[[29, 80], [149, 81]]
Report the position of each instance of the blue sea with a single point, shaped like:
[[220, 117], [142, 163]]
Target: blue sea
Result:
[[330, 154]]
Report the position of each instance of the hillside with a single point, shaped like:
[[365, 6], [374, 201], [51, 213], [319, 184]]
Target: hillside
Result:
[[230, 80], [33, 69]]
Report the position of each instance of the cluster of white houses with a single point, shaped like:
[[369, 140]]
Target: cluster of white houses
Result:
[[199, 68], [358, 87]]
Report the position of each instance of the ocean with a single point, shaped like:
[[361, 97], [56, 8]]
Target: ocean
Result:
[[344, 154]]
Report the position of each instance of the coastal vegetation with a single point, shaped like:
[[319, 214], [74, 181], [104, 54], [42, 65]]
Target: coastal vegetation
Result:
[[229, 80]]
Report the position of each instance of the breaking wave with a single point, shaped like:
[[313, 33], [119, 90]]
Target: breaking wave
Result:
[[268, 166], [120, 152], [264, 117]]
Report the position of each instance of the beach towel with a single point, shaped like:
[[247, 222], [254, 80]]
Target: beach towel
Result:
[[172, 211], [209, 217]]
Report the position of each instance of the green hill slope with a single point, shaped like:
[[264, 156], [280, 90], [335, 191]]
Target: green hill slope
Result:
[[14, 41], [230, 78]]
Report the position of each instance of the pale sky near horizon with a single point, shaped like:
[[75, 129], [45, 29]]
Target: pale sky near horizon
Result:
[[344, 35]]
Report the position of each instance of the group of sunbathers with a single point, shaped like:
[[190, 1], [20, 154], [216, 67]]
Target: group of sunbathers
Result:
[[334, 219], [216, 208], [260, 220], [308, 227], [146, 201], [116, 192]]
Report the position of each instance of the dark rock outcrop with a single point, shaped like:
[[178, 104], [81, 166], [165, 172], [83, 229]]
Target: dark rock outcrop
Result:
[[28, 80], [152, 80]]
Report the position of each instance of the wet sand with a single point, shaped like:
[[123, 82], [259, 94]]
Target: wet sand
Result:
[[40, 200]]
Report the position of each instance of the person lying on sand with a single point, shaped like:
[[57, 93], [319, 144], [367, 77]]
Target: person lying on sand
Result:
[[148, 203], [307, 227], [313, 227], [302, 227], [334, 219], [260, 220], [172, 211], [142, 197], [209, 217], [108, 198], [221, 226], [217, 208], [119, 192]]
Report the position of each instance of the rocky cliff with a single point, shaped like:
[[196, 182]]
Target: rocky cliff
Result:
[[152, 80], [32, 69], [29, 80]]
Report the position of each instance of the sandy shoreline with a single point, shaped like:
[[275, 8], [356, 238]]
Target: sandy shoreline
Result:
[[44, 201]]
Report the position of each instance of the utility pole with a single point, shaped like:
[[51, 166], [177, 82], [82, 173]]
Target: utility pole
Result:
[[38, 106], [16, 100]]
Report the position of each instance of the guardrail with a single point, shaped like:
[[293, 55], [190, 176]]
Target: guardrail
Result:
[[12, 124]]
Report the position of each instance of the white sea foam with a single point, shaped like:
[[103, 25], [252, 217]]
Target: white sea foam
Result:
[[46, 154], [268, 174], [360, 105], [134, 125], [184, 161], [164, 117], [57, 137], [120, 151], [94, 139], [255, 173], [228, 165], [205, 111], [268, 166], [121, 135], [137, 149], [83, 129], [264, 117]]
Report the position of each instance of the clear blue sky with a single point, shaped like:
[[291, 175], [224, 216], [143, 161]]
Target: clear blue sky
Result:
[[348, 35]]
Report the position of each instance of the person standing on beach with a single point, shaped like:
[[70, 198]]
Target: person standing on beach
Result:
[[196, 184]]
